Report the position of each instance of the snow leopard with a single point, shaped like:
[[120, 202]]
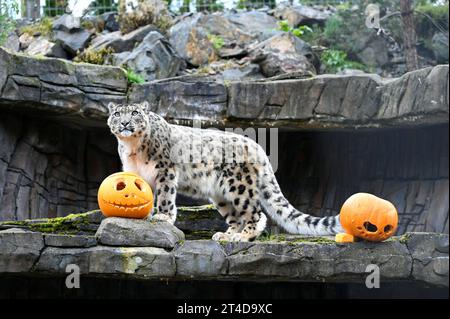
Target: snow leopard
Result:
[[230, 170]]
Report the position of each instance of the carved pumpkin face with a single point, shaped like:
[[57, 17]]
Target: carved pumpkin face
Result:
[[125, 195], [369, 217]]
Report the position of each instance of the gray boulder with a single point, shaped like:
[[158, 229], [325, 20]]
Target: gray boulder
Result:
[[116, 231], [120, 42], [194, 37], [372, 50], [73, 42], [12, 42], [256, 23], [440, 47], [42, 46], [153, 59], [283, 54], [19, 250], [67, 23], [25, 40], [302, 15], [109, 21]]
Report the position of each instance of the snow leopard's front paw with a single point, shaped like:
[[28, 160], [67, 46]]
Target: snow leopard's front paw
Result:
[[239, 237], [162, 218], [219, 236]]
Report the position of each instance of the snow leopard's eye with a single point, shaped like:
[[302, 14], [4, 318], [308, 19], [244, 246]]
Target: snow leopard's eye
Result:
[[116, 114], [134, 113]]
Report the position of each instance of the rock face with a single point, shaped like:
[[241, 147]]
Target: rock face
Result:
[[41, 46], [194, 37], [50, 170], [73, 42], [50, 167], [254, 22], [421, 257], [348, 99], [19, 250], [284, 54], [302, 15], [69, 240], [58, 86], [116, 231], [323, 101], [180, 98], [440, 47], [137, 261], [121, 42], [153, 59]]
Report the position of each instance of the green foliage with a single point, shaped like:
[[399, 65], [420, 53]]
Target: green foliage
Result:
[[429, 18], [209, 5], [298, 32], [7, 23], [216, 41], [145, 13], [134, 77], [335, 61], [94, 56], [43, 27], [255, 4]]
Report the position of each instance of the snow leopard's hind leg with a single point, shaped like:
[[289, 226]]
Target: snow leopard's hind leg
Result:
[[227, 210], [252, 220], [245, 219]]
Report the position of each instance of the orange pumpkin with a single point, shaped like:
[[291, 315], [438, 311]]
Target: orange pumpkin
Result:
[[126, 195], [368, 217]]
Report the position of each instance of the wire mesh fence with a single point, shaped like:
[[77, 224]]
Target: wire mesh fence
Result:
[[96, 7]]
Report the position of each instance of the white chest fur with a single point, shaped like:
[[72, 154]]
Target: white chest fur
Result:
[[136, 162]]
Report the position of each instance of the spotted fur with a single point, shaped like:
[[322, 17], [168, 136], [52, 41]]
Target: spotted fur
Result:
[[229, 169]]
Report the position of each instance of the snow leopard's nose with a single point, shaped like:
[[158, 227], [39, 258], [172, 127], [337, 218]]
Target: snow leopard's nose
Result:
[[125, 124]]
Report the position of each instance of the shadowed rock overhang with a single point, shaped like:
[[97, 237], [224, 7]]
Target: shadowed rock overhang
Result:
[[80, 92]]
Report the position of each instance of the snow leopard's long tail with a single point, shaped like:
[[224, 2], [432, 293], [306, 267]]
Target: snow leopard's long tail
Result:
[[292, 220]]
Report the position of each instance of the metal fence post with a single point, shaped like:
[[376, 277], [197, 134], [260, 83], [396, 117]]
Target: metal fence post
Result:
[[32, 9]]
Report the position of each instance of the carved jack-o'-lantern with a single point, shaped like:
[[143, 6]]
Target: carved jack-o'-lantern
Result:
[[368, 217], [125, 195]]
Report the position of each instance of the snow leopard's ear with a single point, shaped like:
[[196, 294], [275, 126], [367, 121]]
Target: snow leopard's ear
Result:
[[111, 107], [145, 107]]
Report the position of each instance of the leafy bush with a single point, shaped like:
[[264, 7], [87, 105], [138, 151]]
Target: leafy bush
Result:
[[147, 12], [7, 23], [429, 18], [94, 56], [336, 60], [298, 32], [44, 27], [216, 41], [134, 77]]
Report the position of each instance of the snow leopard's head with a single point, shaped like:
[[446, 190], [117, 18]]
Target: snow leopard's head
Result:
[[128, 120]]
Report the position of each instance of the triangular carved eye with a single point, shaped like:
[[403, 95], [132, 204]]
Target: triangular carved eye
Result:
[[120, 185], [139, 184]]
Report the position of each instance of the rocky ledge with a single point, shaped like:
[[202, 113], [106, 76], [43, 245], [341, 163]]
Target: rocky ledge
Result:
[[157, 250], [81, 91]]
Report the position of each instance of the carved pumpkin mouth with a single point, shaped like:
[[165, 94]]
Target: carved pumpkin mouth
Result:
[[127, 205]]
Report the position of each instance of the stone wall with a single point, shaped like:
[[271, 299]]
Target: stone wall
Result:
[[347, 134], [49, 170], [408, 167]]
